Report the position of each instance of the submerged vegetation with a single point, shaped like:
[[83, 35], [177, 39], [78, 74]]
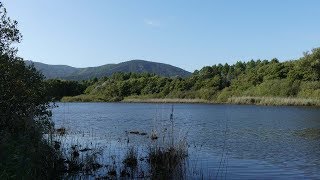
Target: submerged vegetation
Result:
[[309, 133], [82, 155], [263, 82], [169, 162], [131, 158]]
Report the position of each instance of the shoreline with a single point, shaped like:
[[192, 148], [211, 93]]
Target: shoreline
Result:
[[168, 100], [247, 100]]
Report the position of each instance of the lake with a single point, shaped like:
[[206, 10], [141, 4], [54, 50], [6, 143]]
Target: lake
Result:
[[224, 141]]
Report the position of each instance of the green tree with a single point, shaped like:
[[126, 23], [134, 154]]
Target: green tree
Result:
[[24, 113], [56, 88], [9, 33]]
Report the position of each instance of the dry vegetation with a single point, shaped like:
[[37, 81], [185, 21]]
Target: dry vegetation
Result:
[[275, 101]]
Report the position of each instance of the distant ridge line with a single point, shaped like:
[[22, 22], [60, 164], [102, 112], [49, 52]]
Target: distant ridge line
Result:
[[134, 66]]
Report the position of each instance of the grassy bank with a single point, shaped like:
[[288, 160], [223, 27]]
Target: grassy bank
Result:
[[274, 101], [164, 100], [267, 101], [137, 99]]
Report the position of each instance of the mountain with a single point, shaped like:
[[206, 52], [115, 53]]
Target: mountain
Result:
[[135, 66], [53, 71]]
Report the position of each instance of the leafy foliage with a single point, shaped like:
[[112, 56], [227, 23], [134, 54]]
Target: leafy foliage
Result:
[[56, 88], [24, 113], [23, 94], [272, 78], [9, 33]]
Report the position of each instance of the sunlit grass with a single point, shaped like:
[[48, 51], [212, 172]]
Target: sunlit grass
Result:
[[164, 100], [274, 101]]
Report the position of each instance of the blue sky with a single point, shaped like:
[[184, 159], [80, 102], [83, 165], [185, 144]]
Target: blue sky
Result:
[[185, 33]]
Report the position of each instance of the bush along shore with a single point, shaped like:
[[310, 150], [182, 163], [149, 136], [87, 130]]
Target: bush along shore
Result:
[[260, 82]]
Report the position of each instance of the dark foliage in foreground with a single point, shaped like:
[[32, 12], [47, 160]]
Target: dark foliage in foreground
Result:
[[24, 118], [56, 88], [24, 113]]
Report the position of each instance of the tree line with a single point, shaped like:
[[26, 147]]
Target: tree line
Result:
[[267, 78]]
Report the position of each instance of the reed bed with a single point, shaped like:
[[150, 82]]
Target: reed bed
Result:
[[267, 101], [164, 100], [274, 101]]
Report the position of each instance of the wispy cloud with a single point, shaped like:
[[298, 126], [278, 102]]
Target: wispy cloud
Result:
[[152, 23]]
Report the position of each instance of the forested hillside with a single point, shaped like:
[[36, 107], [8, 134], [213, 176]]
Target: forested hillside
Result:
[[52, 71], [218, 83], [133, 66]]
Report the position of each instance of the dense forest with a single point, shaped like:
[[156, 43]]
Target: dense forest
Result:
[[218, 83]]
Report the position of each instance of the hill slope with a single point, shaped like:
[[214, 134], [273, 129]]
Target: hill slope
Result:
[[136, 66], [53, 71]]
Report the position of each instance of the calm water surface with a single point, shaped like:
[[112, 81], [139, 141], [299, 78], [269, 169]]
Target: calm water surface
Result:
[[226, 141]]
